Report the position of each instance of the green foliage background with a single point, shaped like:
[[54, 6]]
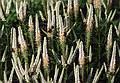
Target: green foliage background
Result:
[[98, 39]]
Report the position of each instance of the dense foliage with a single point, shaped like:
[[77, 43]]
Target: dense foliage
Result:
[[59, 41]]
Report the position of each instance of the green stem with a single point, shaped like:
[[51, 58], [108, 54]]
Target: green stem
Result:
[[66, 75], [82, 74], [46, 72], [62, 44], [99, 48], [87, 41]]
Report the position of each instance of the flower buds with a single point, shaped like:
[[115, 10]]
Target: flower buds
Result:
[[81, 55], [21, 40]]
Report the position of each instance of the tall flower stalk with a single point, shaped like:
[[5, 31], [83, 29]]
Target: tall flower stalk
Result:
[[45, 58], [14, 44], [70, 13], [82, 60], [109, 43], [23, 48], [76, 9], [31, 30], [21, 10], [62, 36], [37, 32], [113, 59], [51, 33], [89, 27]]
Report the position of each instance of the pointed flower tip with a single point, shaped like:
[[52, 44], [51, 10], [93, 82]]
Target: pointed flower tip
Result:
[[37, 31], [30, 23], [81, 55], [113, 59], [45, 54], [21, 40], [109, 38], [21, 9], [14, 42], [90, 19]]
